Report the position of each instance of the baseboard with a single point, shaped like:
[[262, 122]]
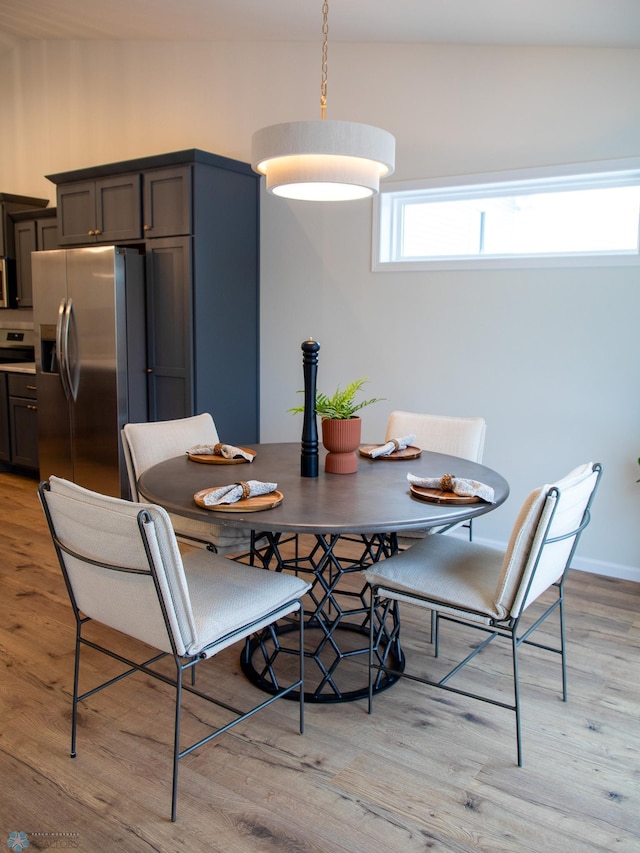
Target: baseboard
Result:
[[581, 564], [610, 570]]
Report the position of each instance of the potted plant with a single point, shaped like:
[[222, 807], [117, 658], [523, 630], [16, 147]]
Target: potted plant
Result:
[[341, 426]]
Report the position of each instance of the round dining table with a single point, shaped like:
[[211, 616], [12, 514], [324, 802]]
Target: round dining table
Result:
[[328, 528]]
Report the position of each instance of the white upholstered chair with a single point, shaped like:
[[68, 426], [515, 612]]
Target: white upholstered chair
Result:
[[441, 434], [473, 585], [123, 568], [147, 444]]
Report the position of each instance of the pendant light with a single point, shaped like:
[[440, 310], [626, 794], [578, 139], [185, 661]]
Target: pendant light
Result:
[[323, 160]]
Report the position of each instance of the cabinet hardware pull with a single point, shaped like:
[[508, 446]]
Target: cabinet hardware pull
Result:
[[97, 231], [146, 228], [32, 408], [91, 233], [31, 388], [149, 370]]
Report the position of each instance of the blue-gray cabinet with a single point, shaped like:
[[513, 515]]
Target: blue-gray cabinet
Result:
[[105, 210], [18, 420], [34, 231], [196, 218], [23, 417]]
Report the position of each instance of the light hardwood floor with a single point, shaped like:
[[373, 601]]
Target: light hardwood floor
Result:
[[428, 771]]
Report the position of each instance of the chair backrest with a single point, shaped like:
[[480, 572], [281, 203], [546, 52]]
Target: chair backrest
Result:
[[544, 538], [110, 575], [454, 436], [148, 444]]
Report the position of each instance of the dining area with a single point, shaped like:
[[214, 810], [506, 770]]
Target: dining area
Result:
[[546, 354], [308, 577]]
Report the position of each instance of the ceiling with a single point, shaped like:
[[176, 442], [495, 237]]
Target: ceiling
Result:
[[589, 23]]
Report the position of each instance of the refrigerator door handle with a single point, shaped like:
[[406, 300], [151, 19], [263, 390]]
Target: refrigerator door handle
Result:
[[66, 369], [61, 349]]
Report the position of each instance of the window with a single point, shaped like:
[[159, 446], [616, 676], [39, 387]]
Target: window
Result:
[[532, 218]]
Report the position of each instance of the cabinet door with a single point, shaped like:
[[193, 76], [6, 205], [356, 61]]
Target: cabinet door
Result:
[[169, 328], [47, 234], [5, 441], [167, 202], [76, 203], [24, 432], [4, 225], [118, 213], [25, 234], [107, 210]]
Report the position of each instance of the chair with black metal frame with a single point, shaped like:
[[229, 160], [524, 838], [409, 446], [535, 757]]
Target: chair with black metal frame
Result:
[[473, 585], [448, 434], [123, 568], [455, 436], [147, 444]]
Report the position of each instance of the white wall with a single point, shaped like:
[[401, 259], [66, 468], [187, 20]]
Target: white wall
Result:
[[547, 357]]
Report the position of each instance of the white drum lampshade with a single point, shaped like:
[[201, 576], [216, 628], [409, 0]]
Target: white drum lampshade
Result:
[[323, 160]]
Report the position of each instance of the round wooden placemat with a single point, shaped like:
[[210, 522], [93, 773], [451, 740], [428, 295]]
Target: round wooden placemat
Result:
[[409, 452], [437, 496], [213, 459], [254, 504]]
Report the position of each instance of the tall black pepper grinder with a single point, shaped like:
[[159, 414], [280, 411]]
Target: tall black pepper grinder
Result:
[[309, 450]]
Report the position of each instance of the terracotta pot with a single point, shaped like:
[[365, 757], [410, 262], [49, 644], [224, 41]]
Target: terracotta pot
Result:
[[341, 438]]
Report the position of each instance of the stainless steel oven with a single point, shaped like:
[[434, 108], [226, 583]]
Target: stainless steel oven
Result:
[[17, 346], [7, 282]]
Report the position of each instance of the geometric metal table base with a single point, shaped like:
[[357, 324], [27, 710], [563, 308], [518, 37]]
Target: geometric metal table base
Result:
[[336, 620]]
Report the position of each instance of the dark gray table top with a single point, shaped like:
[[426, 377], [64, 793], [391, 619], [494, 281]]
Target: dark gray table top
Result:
[[376, 499]]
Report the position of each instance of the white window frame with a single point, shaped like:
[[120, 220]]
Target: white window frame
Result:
[[578, 176]]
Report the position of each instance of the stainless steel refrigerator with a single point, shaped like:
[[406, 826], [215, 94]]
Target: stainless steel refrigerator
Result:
[[90, 351]]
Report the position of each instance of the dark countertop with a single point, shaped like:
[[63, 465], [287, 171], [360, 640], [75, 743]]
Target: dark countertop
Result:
[[19, 367]]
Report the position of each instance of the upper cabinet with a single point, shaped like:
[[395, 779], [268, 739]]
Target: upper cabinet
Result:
[[10, 204], [167, 202], [145, 204], [106, 210], [109, 210], [34, 231]]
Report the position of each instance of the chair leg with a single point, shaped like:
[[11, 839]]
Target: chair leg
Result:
[[76, 684], [371, 632], [563, 647], [516, 697], [176, 745], [301, 671]]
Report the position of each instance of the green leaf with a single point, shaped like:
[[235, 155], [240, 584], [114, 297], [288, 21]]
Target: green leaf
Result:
[[341, 404]]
